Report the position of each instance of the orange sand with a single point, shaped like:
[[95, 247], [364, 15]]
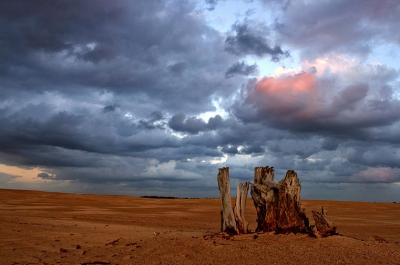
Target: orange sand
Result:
[[56, 228]]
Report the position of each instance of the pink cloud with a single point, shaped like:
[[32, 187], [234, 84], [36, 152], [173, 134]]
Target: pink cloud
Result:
[[335, 95], [295, 96]]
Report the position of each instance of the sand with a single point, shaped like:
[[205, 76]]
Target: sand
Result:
[[56, 228]]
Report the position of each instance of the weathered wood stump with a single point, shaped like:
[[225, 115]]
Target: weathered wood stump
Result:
[[241, 195], [278, 204], [228, 223], [232, 219], [323, 226]]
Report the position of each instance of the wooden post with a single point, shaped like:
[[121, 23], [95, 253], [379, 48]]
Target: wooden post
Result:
[[228, 218]]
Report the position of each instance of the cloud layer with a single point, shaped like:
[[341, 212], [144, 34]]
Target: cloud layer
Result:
[[150, 98]]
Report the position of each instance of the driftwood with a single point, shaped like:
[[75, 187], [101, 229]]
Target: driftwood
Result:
[[278, 204], [232, 219], [323, 226]]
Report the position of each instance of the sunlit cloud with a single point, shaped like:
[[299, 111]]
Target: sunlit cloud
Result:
[[29, 175], [294, 96]]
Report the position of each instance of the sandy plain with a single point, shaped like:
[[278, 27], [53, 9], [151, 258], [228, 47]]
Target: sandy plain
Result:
[[56, 228]]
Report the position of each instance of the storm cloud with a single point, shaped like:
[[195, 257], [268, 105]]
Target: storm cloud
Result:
[[240, 68], [250, 41], [151, 97]]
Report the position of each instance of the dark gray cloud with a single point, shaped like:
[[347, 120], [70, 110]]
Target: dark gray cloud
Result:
[[250, 41], [177, 68], [154, 121], [381, 156], [130, 51], [45, 176], [110, 108], [241, 68], [230, 150], [193, 125], [150, 98]]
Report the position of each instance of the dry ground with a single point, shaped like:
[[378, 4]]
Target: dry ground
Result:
[[55, 228]]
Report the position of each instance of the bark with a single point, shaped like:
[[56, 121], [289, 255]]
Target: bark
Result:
[[228, 222], [323, 226], [278, 204]]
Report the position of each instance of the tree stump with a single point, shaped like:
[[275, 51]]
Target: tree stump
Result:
[[278, 204], [232, 219], [323, 226]]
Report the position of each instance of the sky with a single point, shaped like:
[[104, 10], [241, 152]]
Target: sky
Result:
[[152, 97]]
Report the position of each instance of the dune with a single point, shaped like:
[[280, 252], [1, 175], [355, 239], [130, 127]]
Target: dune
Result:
[[56, 228]]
